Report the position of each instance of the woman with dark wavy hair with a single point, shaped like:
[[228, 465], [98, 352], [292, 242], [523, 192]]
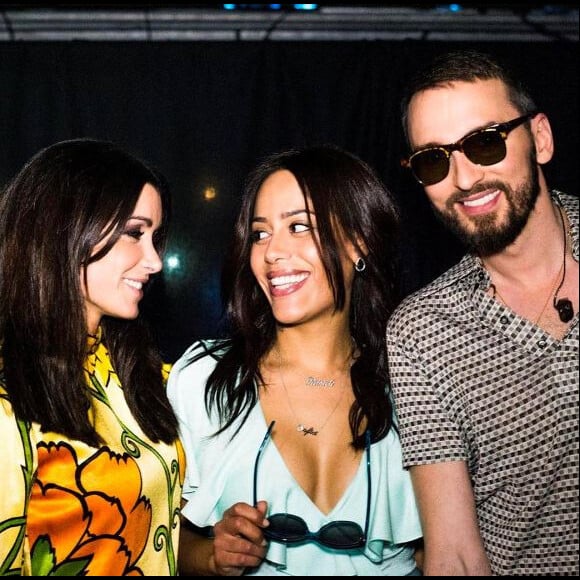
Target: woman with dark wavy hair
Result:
[[294, 463], [91, 459]]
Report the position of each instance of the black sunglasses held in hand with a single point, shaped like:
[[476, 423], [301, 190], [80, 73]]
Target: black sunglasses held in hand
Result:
[[291, 529], [485, 147]]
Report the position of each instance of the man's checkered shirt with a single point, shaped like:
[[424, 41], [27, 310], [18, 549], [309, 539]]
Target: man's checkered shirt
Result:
[[475, 382]]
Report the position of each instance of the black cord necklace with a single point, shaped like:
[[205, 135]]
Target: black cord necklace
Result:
[[563, 305]]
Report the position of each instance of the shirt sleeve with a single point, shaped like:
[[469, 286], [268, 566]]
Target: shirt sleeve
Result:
[[429, 431], [186, 393], [19, 462]]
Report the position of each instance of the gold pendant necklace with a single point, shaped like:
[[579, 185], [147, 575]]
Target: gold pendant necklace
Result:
[[301, 427], [327, 383], [311, 381]]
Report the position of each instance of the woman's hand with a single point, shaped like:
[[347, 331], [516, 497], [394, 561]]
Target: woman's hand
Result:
[[238, 539]]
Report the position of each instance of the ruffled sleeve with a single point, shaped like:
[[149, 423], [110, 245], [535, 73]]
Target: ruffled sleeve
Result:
[[185, 390], [395, 519], [212, 460]]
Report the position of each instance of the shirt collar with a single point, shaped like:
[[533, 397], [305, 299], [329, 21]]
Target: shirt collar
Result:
[[94, 340]]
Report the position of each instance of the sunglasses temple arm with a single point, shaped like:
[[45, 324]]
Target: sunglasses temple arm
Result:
[[258, 455], [369, 494]]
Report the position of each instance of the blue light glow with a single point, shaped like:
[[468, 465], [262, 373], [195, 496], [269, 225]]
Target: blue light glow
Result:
[[172, 262], [269, 6]]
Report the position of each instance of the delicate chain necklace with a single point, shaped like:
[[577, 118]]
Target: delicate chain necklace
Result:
[[497, 293], [561, 305], [312, 381], [323, 382], [564, 306], [300, 426]]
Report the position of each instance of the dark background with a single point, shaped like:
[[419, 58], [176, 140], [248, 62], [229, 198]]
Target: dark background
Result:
[[205, 112]]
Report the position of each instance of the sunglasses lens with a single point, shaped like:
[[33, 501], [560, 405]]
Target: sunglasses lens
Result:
[[286, 528], [485, 147], [290, 529], [341, 535], [430, 166]]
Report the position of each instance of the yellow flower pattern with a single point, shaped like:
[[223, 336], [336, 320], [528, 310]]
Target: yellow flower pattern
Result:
[[71, 509]]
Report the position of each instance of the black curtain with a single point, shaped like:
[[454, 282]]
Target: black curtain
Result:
[[205, 112]]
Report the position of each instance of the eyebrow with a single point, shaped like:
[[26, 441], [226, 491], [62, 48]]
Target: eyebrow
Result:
[[433, 145], [284, 215], [148, 221]]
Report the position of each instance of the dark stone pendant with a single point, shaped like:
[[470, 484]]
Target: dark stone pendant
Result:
[[565, 309]]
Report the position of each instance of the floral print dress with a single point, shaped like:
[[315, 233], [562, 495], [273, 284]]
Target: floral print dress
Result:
[[69, 509]]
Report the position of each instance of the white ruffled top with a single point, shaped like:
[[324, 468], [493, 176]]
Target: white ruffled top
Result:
[[220, 473]]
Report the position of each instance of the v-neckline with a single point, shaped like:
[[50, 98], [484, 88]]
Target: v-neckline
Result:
[[345, 493]]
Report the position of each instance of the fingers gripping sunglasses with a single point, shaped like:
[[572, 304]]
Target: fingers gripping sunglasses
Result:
[[485, 146]]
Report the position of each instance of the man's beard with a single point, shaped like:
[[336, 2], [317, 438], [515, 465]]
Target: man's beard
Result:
[[488, 238]]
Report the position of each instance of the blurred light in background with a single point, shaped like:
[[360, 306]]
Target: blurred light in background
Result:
[[270, 6], [209, 193], [172, 262]]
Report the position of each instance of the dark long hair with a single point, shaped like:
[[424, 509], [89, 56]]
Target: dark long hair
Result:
[[465, 66], [62, 203], [344, 192]]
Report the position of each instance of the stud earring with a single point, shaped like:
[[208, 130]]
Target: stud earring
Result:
[[360, 265]]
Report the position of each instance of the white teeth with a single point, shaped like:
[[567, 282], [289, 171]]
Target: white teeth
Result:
[[283, 280], [133, 283], [481, 201]]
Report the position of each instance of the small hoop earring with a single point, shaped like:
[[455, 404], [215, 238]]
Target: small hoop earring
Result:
[[360, 265]]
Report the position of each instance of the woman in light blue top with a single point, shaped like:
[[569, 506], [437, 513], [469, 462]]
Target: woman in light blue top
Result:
[[293, 457]]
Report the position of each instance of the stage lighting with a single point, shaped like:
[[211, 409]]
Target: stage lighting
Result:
[[301, 7]]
